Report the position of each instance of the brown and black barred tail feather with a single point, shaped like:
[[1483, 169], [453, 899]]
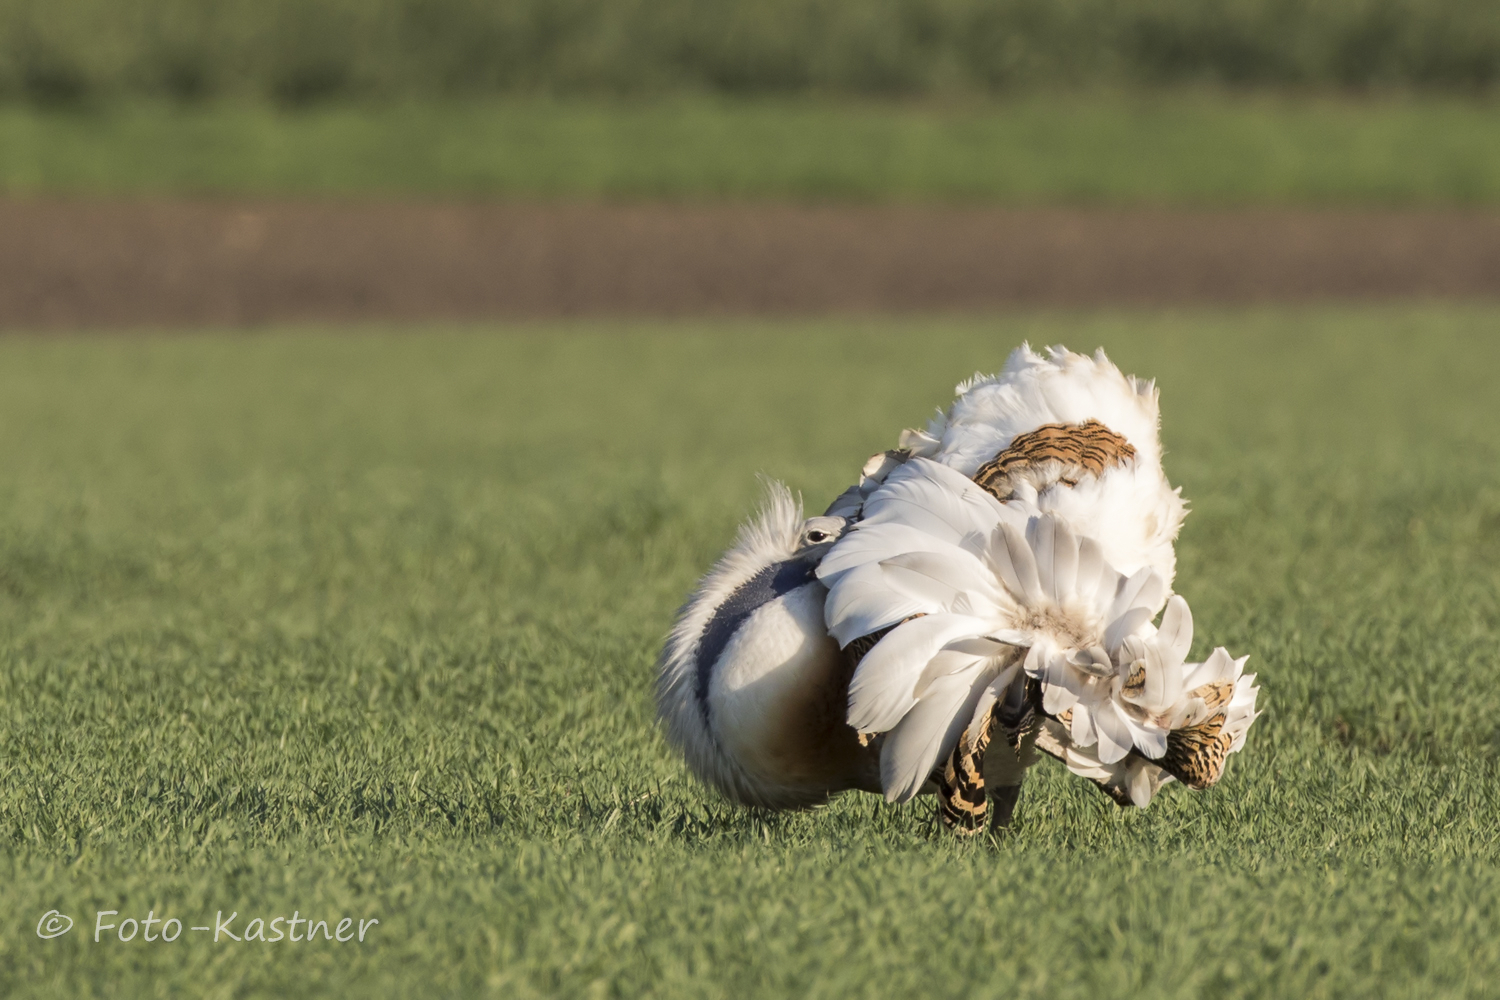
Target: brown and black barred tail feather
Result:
[[1195, 755], [964, 798], [963, 804], [1079, 449]]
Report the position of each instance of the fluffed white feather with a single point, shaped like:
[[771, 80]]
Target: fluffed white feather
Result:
[[765, 727], [1139, 777], [930, 730], [1131, 510], [884, 687], [1022, 584], [1074, 571], [1032, 390]]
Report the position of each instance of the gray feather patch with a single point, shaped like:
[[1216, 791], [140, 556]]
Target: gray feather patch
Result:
[[761, 589]]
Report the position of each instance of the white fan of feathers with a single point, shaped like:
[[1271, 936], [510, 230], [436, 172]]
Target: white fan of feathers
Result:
[[998, 574]]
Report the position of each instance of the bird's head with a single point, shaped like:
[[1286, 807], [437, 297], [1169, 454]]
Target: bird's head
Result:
[[816, 536]]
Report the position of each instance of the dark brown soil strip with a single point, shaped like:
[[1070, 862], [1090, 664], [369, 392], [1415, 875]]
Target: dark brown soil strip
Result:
[[93, 264]]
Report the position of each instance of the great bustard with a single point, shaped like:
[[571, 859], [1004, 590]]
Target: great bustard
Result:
[[987, 590]]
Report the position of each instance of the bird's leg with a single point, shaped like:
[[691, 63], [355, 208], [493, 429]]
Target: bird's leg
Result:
[[965, 798], [962, 800], [1019, 730], [1003, 801]]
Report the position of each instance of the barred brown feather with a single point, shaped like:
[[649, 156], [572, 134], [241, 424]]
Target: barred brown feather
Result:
[[963, 803], [1079, 449], [1195, 754]]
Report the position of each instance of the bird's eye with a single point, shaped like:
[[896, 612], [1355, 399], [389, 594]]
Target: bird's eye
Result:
[[817, 536]]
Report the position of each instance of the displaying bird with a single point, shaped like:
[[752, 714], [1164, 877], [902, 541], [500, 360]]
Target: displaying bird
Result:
[[986, 590]]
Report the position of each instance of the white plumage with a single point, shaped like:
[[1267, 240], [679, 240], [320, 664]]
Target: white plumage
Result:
[[971, 586], [1007, 561], [1130, 509], [751, 688]]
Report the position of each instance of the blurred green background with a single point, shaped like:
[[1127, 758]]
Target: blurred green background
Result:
[[297, 51], [1193, 148], [1060, 101]]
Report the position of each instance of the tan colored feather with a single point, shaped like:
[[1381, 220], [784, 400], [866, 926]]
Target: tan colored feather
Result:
[[1073, 451]]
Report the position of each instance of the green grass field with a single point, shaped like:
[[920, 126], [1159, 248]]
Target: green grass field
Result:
[[1164, 148], [364, 626]]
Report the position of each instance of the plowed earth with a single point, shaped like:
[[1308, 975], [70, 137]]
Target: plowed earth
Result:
[[133, 264]]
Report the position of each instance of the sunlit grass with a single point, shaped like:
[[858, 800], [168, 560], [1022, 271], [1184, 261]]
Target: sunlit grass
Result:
[[363, 625]]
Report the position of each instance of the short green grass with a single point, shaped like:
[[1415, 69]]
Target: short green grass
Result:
[[1114, 149], [364, 624]]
